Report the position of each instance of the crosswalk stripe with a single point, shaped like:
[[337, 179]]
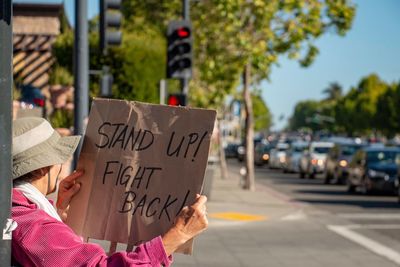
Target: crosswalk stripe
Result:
[[366, 242]]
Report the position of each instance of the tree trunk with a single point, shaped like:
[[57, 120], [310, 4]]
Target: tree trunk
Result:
[[222, 160], [249, 130]]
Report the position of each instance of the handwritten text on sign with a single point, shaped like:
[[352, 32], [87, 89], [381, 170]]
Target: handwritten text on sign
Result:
[[143, 163]]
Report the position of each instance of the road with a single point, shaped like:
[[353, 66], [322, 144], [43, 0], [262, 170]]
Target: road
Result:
[[376, 217]]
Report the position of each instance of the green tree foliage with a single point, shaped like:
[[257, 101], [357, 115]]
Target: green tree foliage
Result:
[[239, 36], [387, 116], [304, 115], [357, 110], [333, 91], [262, 115], [137, 65], [370, 107]]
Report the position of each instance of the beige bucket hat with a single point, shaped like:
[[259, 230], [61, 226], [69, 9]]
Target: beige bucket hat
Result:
[[36, 145]]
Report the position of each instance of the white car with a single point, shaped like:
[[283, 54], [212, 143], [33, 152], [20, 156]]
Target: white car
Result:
[[293, 156], [277, 157], [313, 160]]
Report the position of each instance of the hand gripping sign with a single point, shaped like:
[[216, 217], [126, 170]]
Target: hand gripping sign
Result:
[[143, 163]]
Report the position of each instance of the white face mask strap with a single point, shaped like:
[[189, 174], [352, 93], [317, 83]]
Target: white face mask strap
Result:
[[49, 180]]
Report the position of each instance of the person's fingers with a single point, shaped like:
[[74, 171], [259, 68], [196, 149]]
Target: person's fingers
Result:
[[67, 195], [73, 176], [200, 201]]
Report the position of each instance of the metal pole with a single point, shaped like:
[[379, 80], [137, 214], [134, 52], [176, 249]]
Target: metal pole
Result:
[[163, 85], [186, 9], [186, 16], [81, 70], [6, 78]]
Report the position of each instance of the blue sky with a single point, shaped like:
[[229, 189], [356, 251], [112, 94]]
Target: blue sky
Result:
[[371, 46]]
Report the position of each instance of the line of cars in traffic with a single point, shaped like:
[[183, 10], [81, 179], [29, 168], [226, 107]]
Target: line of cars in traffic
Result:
[[363, 167]]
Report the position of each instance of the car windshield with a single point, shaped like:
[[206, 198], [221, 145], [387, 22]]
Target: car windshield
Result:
[[299, 148], [349, 150], [321, 150], [382, 156]]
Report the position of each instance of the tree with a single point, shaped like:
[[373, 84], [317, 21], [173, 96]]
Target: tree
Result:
[[137, 65], [355, 113], [333, 92], [257, 32], [304, 115], [262, 115], [387, 117]]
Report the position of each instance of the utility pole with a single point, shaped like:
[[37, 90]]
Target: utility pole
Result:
[[6, 76], [81, 71]]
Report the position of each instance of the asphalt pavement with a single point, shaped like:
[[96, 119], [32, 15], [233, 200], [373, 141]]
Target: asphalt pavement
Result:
[[269, 227]]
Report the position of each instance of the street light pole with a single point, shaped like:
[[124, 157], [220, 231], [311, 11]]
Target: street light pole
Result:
[[6, 77], [81, 70]]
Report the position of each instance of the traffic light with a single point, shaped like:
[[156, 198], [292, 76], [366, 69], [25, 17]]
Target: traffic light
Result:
[[179, 50], [177, 100], [110, 23]]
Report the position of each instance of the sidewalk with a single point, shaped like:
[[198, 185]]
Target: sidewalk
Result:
[[265, 228]]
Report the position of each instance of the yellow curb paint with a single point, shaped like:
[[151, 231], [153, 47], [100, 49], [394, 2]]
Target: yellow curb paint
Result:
[[236, 216]]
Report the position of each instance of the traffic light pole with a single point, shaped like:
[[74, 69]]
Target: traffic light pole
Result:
[[81, 70], [6, 77], [186, 16]]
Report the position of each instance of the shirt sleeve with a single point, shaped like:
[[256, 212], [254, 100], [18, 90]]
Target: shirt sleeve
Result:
[[40, 240]]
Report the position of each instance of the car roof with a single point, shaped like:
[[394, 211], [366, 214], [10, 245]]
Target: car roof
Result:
[[383, 149], [323, 144]]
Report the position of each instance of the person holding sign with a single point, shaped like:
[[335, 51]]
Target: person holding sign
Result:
[[41, 238]]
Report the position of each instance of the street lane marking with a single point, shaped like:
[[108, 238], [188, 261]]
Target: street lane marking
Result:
[[375, 216], [374, 246], [297, 215], [381, 226], [236, 216]]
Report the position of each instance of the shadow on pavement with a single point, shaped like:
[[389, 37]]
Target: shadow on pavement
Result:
[[352, 202], [324, 192]]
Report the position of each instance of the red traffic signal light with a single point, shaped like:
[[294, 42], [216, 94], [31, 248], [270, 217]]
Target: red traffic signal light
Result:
[[179, 50], [177, 100], [183, 32]]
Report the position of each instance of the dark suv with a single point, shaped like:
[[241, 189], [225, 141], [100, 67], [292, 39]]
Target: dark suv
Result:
[[374, 169], [337, 162]]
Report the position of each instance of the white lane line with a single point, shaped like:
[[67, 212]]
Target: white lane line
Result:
[[374, 216], [381, 226], [295, 216], [372, 245]]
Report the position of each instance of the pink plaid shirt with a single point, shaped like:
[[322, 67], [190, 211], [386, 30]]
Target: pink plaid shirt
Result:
[[40, 240]]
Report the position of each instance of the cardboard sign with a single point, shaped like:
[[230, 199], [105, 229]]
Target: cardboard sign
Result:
[[143, 163]]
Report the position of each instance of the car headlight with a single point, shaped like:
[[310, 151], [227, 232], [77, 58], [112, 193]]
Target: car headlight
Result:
[[241, 150], [320, 162], [343, 163], [265, 157]]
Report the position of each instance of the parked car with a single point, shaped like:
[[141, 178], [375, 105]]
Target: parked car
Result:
[[337, 161], [262, 153], [374, 169], [293, 156], [313, 159], [231, 150], [278, 156], [32, 95]]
